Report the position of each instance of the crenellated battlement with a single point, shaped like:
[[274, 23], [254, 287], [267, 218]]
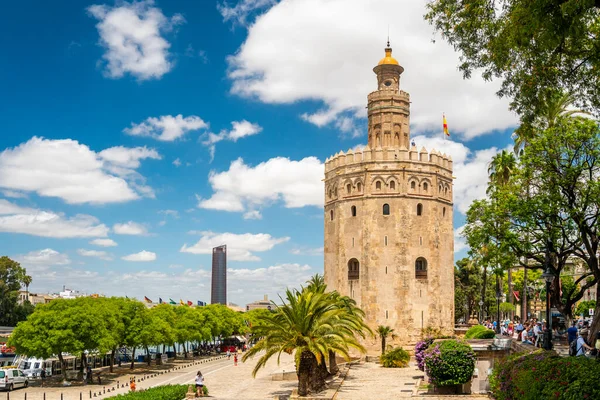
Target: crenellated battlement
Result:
[[402, 154]]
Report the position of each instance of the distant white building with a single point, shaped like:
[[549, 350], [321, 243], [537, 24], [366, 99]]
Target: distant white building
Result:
[[70, 294], [264, 304]]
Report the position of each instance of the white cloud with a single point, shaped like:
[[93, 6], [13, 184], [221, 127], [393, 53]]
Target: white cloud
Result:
[[318, 251], [142, 256], [460, 242], [297, 183], [130, 228], [104, 242], [253, 214], [14, 194], [45, 257], [131, 34], [171, 213], [103, 255], [177, 162], [72, 172], [470, 168], [240, 129], [166, 128], [277, 65], [239, 247], [242, 9], [16, 219]]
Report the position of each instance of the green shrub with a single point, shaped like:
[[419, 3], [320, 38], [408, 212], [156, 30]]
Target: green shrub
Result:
[[168, 392], [480, 332], [545, 375], [449, 362], [396, 358]]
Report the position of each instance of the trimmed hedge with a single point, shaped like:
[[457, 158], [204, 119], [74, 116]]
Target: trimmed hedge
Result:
[[167, 392], [545, 375], [396, 358], [480, 332], [449, 362]]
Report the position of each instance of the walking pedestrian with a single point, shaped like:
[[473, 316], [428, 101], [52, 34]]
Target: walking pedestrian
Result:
[[199, 384], [572, 332], [132, 384], [43, 375], [235, 359], [228, 354]]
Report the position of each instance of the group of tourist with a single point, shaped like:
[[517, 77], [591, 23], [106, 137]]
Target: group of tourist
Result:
[[531, 332]]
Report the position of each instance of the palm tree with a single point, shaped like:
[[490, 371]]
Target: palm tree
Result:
[[384, 332], [309, 324], [27, 281], [317, 284]]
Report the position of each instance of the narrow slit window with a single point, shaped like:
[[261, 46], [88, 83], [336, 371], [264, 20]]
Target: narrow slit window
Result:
[[393, 185], [348, 188], [386, 209], [419, 209], [425, 187], [413, 185], [353, 211], [444, 212], [378, 185], [331, 215], [385, 240], [358, 186]]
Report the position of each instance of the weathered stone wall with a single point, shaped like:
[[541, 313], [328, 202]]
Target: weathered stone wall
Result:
[[387, 246]]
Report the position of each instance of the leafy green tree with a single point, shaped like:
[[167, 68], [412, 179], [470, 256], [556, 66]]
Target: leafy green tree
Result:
[[309, 323], [532, 46], [383, 332], [12, 277], [467, 288], [584, 307]]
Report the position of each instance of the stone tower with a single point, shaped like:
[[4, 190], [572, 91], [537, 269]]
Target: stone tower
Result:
[[389, 240]]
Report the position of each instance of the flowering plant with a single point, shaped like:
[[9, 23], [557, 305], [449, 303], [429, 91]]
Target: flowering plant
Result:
[[420, 348], [449, 362]]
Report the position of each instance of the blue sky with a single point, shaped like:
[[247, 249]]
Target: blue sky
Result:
[[169, 127]]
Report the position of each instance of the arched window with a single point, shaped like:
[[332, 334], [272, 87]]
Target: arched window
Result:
[[419, 209], [348, 188], [378, 185], [425, 186], [330, 193], [331, 214], [353, 269], [393, 185], [413, 185], [386, 209], [421, 268], [359, 186], [353, 211]]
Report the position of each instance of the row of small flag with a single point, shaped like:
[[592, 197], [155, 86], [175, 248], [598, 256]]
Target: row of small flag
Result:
[[173, 302]]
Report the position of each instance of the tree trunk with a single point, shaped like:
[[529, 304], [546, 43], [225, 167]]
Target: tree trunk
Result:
[[317, 379], [483, 291], [510, 293], [382, 345], [333, 367], [524, 297], [148, 359], [112, 360], [83, 365], [132, 358], [307, 373], [596, 321], [185, 353], [63, 366]]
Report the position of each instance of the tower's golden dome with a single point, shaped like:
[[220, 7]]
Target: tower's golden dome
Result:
[[388, 59]]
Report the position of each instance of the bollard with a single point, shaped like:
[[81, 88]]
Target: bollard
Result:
[[80, 396], [90, 394], [104, 389], [61, 396], [7, 395], [44, 395], [94, 394]]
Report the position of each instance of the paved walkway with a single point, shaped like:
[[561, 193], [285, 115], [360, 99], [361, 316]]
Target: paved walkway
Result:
[[224, 380]]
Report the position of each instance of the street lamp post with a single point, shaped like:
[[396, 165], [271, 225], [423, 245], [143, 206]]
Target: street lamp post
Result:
[[548, 277]]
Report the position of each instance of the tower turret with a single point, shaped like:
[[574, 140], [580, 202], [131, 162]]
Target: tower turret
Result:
[[388, 106]]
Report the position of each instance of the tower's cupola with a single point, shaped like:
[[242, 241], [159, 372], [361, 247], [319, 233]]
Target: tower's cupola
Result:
[[388, 59]]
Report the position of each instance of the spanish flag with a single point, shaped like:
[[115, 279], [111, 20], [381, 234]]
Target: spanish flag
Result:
[[147, 300], [445, 125]]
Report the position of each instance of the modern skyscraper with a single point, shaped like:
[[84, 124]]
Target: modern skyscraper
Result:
[[218, 289]]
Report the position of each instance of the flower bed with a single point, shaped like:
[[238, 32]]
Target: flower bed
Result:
[[168, 392], [545, 375], [449, 362]]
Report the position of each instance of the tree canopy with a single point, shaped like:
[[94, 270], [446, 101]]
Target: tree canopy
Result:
[[533, 46], [12, 278]]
